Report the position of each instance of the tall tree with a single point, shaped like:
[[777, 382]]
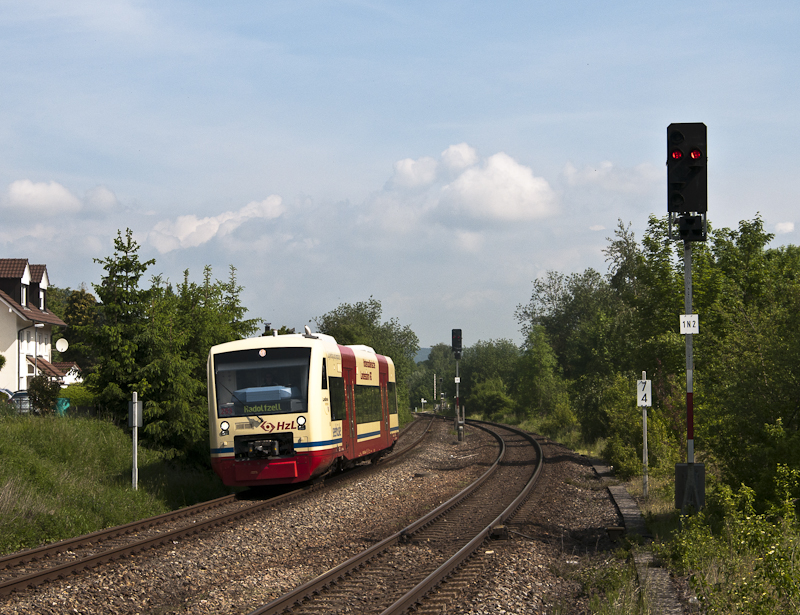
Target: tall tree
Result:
[[488, 360], [360, 323], [121, 326], [183, 325], [81, 315], [540, 388]]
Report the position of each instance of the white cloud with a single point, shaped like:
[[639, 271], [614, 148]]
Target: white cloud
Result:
[[597, 227], [100, 199], [637, 180], [410, 173], [40, 198], [190, 231], [459, 157], [470, 241], [784, 227], [500, 189]]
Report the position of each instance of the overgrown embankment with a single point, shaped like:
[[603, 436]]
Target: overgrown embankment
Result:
[[65, 476]]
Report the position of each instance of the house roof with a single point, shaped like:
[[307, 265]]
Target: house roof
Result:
[[13, 267], [38, 272], [31, 312], [65, 366], [45, 367]]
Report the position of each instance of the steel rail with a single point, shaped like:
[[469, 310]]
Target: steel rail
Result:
[[447, 568], [394, 455], [62, 570], [67, 544], [297, 595]]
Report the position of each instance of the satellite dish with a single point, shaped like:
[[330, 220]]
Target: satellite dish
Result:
[[62, 345]]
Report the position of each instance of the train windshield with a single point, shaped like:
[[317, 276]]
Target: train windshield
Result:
[[262, 381]]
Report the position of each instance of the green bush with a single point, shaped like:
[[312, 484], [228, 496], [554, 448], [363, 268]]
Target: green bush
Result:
[[43, 393], [741, 561], [490, 399], [78, 395]]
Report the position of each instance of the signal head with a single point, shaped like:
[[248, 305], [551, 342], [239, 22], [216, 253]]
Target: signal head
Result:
[[687, 190]]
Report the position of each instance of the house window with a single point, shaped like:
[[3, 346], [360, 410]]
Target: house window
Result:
[[23, 295], [41, 299]]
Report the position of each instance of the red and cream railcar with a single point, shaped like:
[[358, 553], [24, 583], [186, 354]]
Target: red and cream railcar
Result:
[[289, 408]]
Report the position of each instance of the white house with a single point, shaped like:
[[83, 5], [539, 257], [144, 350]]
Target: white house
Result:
[[26, 327]]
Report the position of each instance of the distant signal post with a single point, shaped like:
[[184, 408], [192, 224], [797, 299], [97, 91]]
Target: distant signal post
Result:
[[456, 345]]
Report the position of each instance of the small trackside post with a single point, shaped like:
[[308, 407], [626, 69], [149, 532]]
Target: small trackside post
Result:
[[135, 421], [644, 399]]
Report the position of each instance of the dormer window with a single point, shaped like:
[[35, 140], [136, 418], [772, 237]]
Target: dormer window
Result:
[[23, 295], [41, 299]]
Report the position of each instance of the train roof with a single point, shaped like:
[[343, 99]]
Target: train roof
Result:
[[293, 339]]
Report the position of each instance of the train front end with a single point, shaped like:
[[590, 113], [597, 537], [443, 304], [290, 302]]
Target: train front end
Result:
[[269, 421]]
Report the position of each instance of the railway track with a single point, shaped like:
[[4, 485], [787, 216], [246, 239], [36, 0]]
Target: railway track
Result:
[[397, 573], [19, 571]]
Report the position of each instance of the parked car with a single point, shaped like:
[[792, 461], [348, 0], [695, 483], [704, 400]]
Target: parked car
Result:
[[5, 395], [22, 401]]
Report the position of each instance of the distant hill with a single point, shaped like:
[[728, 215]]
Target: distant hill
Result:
[[422, 355]]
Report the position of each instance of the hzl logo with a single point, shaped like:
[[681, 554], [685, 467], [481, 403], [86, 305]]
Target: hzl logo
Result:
[[269, 427]]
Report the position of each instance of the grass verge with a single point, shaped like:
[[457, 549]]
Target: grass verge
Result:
[[66, 476]]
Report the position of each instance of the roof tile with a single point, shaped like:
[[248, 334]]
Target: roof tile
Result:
[[12, 267]]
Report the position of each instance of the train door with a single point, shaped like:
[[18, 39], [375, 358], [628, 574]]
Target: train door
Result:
[[349, 426], [349, 437], [386, 433]]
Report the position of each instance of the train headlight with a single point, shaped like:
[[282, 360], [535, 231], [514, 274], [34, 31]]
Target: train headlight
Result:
[[224, 427], [301, 422]]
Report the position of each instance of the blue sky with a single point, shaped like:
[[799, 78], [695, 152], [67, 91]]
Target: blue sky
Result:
[[438, 156]]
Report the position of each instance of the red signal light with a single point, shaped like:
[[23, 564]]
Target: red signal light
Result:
[[676, 154], [695, 154]]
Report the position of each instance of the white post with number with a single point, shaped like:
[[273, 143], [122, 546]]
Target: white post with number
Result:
[[644, 399]]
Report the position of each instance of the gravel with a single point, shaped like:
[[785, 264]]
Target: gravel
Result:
[[556, 534], [242, 566]]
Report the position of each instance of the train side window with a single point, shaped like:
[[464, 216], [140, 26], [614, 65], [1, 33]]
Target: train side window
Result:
[[337, 399], [368, 404], [324, 374], [392, 388]]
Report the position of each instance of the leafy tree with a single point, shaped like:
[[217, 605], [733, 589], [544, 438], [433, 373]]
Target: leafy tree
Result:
[[360, 323], [57, 300], [605, 329], [540, 388], [490, 398], [2, 361], [487, 360], [182, 327], [80, 312], [750, 388]]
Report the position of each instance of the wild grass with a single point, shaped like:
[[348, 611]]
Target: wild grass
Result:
[[65, 476]]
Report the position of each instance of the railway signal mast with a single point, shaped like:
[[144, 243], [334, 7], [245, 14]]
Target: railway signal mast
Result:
[[687, 207], [456, 345]]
